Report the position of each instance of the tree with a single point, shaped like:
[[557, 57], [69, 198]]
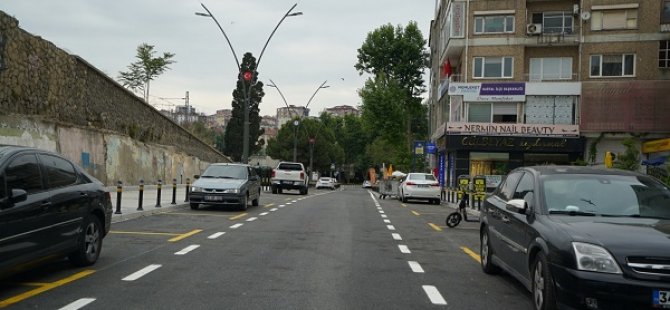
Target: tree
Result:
[[233, 135], [397, 58], [142, 72], [630, 159]]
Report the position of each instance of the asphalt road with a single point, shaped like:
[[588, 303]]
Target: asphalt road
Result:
[[344, 249]]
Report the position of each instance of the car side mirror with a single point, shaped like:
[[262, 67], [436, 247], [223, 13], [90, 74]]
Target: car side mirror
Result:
[[17, 195], [517, 206]]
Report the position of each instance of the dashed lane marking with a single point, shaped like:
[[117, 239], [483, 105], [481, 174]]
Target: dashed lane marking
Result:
[[404, 249], [186, 235], [387, 221], [216, 235], [239, 216], [142, 272], [142, 233], [251, 219], [416, 267], [396, 236], [472, 254], [434, 295], [44, 288], [415, 213], [435, 227], [264, 214], [273, 209], [403, 205], [390, 227], [238, 225], [268, 205], [78, 304], [193, 214], [384, 216], [187, 249]]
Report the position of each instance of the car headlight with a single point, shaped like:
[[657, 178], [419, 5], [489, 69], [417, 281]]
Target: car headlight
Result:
[[232, 190], [196, 189], [594, 258]]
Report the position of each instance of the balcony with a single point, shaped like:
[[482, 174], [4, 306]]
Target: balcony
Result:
[[541, 38]]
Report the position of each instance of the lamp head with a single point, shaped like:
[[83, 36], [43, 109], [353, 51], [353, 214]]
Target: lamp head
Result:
[[203, 14]]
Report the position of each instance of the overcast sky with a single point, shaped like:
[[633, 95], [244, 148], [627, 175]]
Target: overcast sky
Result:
[[305, 51]]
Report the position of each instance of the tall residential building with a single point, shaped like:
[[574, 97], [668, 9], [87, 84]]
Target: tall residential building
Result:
[[285, 114], [342, 110], [269, 125], [516, 83]]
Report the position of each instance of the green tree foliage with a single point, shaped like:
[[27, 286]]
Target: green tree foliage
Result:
[[630, 159], [233, 134], [147, 67], [392, 112]]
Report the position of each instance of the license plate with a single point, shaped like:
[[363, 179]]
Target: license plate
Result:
[[213, 198], [662, 298], [286, 182]]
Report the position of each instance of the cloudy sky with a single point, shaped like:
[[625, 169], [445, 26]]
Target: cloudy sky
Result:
[[305, 51]]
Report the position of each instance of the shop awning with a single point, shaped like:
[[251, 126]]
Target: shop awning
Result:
[[438, 133]]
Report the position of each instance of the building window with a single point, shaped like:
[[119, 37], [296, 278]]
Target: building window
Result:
[[554, 68], [664, 54], [554, 22], [665, 12], [612, 65], [493, 67], [499, 112], [494, 24], [614, 19]]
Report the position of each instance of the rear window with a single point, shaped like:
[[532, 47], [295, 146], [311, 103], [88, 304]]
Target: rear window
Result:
[[422, 177], [290, 167]]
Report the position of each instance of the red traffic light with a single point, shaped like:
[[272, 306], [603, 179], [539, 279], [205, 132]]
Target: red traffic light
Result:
[[247, 75]]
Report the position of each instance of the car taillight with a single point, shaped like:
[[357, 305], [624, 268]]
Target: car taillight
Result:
[[302, 175], [435, 184], [274, 173], [410, 183]]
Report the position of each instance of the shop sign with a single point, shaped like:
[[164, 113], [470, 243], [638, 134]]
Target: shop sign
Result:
[[656, 146], [508, 144], [442, 168], [513, 129], [489, 92], [418, 147], [430, 148]]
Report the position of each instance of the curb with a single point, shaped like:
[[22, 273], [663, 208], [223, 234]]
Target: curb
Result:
[[117, 218]]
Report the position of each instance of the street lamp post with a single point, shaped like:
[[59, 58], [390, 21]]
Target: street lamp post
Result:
[[297, 122], [247, 92]]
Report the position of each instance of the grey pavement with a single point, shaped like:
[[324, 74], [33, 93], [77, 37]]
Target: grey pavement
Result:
[[130, 197]]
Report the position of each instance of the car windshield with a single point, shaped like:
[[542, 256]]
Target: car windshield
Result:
[[606, 195], [225, 172]]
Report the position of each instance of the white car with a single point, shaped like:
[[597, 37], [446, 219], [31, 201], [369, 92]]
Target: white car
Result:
[[367, 184], [420, 186], [325, 182]]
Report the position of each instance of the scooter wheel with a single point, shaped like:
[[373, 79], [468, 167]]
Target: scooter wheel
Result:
[[453, 219]]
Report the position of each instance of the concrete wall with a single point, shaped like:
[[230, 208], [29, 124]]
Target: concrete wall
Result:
[[57, 101]]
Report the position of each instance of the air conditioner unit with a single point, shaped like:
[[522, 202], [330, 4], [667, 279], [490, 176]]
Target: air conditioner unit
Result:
[[534, 29]]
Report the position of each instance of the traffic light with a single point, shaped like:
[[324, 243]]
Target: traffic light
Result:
[[609, 159]]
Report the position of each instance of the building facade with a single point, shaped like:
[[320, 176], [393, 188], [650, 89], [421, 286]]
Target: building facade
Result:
[[516, 83], [285, 114], [342, 110]]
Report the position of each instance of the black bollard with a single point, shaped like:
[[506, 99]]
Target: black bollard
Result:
[[139, 202], [188, 188], [174, 192], [119, 189], [158, 196]]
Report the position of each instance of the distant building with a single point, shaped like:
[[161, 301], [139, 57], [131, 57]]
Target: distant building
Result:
[[220, 119], [342, 110], [285, 114], [269, 124], [184, 114]]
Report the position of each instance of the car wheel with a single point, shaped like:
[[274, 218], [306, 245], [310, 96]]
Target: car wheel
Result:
[[89, 244], [543, 284], [255, 201], [194, 206], [245, 203], [453, 219], [486, 253]]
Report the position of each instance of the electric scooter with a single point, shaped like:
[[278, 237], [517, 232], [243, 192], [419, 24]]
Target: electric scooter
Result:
[[455, 218]]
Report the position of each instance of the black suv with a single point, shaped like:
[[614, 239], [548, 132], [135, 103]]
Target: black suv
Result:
[[49, 207], [581, 237]]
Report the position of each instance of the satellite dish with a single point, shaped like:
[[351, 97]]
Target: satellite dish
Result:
[[586, 15]]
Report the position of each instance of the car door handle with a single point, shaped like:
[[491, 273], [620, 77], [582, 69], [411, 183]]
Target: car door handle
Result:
[[505, 219]]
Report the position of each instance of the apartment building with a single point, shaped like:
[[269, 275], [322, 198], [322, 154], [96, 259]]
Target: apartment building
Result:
[[342, 110], [288, 113], [522, 82]]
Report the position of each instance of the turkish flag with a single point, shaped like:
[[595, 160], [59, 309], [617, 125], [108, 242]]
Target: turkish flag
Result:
[[446, 69]]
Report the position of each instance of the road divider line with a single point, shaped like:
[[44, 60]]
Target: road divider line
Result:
[[42, 289], [268, 205], [187, 249], [142, 233], [216, 235], [142, 272], [78, 304], [434, 295], [416, 267], [186, 235], [238, 225], [192, 214], [404, 249], [251, 219], [435, 227], [416, 213], [472, 254], [396, 236], [238, 216], [403, 205], [390, 227]]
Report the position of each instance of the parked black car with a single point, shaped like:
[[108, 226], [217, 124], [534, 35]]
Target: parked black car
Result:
[[580, 237], [49, 207], [226, 184]]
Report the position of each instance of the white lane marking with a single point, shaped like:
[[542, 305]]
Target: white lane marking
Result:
[[434, 295], [251, 219], [390, 227], [281, 206], [404, 249], [288, 204], [381, 212], [142, 272], [294, 201], [216, 235], [384, 216], [416, 267], [78, 304], [387, 221], [273, 209], [238, 225], [263, 214], [187, 249], [396, 236], [379, 208]]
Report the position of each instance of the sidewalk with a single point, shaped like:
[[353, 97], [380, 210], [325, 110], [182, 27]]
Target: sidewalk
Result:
[[130, 200]]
